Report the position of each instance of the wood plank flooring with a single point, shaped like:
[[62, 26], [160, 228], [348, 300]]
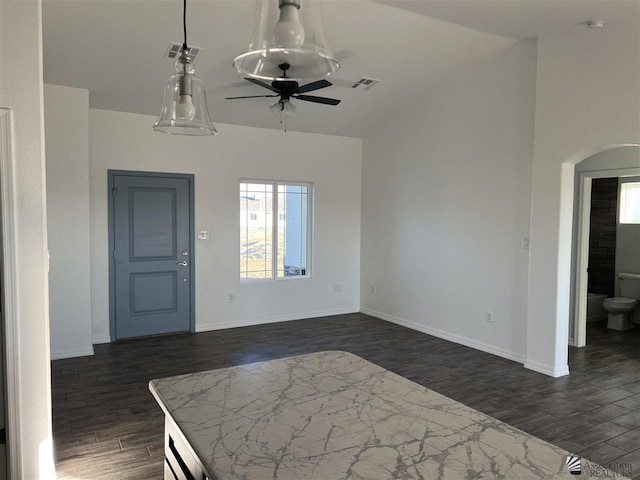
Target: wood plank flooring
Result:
[[107, 425]]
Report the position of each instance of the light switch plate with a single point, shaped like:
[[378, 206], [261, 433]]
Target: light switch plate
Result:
[[203, 235]]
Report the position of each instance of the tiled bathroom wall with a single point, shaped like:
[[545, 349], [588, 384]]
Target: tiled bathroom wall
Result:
[[602, 236]]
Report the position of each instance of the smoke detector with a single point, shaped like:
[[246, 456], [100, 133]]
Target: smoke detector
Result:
[[595, 24]]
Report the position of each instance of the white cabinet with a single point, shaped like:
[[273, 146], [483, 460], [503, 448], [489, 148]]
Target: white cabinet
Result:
[[181, 463]]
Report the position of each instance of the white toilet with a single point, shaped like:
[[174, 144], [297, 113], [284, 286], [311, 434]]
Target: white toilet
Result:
[[621, 308]]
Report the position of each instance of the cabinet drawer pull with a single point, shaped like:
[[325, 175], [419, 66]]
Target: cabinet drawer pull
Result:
[[167, 466], [185, 470]]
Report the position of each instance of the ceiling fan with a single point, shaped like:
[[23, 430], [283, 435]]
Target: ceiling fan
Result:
[[288, 89]]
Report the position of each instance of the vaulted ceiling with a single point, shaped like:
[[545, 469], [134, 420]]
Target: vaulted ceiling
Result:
[[115, 49]]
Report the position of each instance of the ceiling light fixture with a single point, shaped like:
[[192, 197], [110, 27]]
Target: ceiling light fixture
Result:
[[184, 108], [289, 34], [285, 109], [287, 89]]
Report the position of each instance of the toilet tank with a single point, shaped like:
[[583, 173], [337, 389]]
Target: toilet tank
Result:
[[629, 284]]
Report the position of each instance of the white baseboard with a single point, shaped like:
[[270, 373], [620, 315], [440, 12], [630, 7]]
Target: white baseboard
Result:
[[547, 369], [274, 319], [101, 339], [80, 352], [452, 337]]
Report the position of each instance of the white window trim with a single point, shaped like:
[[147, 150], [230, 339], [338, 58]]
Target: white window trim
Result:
[[622, 221], [274, 227]]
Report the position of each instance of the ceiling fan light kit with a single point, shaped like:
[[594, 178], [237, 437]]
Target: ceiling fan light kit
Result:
[[284, 109], [184, 106], [287, 32]]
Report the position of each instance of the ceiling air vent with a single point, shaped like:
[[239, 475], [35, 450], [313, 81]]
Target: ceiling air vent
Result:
[[366, 83], [175, 48]]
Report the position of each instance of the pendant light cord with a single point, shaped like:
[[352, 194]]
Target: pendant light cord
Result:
[[184, 25]]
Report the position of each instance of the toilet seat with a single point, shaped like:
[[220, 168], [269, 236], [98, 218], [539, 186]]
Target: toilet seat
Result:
[[620, 301]]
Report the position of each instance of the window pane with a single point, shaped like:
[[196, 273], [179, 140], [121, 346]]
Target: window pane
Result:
[[256, 231], [268, 229], [630, 202], [292, 230]]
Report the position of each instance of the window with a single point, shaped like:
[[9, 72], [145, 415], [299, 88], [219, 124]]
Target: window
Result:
[[630, 202], [275, 224]]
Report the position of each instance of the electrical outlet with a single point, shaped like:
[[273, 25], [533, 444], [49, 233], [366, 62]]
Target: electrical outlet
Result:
[[525, 243], [374, 289], [488, 317], [337, 288], [232, 298]]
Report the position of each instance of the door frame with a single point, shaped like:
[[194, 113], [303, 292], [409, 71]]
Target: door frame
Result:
[[9, 295], [192, 242], [582, 246]]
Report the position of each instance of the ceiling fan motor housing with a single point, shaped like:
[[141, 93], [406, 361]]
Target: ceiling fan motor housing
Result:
[[285, 87]]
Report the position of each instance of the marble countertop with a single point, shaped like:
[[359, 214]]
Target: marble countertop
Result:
[[333, 415]]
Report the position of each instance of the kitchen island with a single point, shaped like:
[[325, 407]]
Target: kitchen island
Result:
[[333, 415]]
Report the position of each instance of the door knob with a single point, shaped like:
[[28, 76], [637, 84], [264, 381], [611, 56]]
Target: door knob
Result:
[[183, 263]]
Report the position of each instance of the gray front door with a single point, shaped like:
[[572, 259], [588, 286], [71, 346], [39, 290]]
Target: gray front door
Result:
[[152, 255]]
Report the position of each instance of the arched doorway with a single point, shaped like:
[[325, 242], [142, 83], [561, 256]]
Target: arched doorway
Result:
[[617, 161]]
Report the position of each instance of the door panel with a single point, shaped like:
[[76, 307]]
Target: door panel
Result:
[[152, 224], [151, 232], [155, 292]]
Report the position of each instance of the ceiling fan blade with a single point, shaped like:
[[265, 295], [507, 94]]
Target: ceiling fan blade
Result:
[[310, 87], [251, 96], [314, 99], [262, 84]]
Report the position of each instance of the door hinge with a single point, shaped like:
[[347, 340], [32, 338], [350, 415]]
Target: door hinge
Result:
[[113, 192], [114, 254]]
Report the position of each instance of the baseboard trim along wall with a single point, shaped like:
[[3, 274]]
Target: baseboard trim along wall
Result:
[[275, 319], [81, 352], [101, 339], [468, 342], [207, 327], [547, 369]]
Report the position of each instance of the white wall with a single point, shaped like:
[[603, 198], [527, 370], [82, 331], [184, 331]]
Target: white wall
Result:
[[29, 375], [67, 148], [126, 142], [627, 252], [445, 207], [587, 98]]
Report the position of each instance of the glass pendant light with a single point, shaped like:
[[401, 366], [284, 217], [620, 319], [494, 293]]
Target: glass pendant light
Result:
[[184, 107], [287, 32]]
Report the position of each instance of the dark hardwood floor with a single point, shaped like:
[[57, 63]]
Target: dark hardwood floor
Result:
[[106, 424]]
